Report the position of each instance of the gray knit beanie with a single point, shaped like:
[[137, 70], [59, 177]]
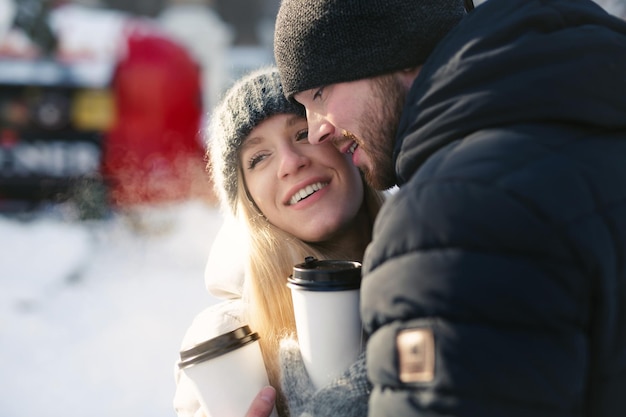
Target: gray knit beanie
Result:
[[322, 42], [251, 100]]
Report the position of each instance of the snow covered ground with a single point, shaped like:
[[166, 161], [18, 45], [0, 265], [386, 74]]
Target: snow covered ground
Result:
[[92, 313]]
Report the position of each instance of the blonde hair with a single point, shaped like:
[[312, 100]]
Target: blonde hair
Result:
[[272, 255]]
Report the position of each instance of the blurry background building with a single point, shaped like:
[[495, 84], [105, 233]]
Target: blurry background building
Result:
[[118, 90], [228, 36]]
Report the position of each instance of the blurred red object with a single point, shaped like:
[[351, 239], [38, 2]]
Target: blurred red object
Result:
[[153, 153]]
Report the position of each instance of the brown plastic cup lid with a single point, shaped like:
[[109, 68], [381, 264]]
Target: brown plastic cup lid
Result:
[[325, 275], [217, 346]]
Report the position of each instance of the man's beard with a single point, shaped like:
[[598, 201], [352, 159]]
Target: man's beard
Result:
[[379, 124]]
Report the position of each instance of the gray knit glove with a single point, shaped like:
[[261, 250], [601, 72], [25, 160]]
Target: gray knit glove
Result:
[[346, 396]]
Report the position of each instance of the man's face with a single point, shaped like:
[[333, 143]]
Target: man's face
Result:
[[361, 118]]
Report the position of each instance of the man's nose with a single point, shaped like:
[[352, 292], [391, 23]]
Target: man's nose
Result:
[[320, 129]]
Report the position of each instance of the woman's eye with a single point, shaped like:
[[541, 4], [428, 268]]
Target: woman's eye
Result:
[[302, 135], [254, 160]]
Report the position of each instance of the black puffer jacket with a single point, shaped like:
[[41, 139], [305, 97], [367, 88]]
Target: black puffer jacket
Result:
[[506, 242]]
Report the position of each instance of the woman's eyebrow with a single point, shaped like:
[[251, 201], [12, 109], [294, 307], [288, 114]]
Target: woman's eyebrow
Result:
[[295, 119], [251, 141]]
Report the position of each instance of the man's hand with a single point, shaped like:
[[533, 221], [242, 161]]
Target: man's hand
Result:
[[263, 403]]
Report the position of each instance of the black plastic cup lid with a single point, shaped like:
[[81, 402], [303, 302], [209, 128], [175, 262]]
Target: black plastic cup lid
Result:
[[217, 346], [325, 275]]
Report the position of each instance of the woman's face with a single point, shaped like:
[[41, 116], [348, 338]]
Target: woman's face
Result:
[[310, 191]]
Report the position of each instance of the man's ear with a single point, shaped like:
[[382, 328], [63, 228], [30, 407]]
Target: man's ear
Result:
[[408, 75]]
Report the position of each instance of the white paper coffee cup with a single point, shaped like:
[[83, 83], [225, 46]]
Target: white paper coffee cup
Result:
[[325, 297], [227, 372]]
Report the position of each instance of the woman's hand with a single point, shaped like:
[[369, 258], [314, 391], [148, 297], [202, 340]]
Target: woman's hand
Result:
[[263, 403]]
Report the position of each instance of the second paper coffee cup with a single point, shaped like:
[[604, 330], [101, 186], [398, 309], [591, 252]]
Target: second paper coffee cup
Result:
[[227, 372], [325, 297]]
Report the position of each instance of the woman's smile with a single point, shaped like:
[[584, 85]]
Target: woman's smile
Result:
[[306, 192]]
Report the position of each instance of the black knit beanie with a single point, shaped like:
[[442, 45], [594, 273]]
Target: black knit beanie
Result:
[[254, 98], [322, 42]]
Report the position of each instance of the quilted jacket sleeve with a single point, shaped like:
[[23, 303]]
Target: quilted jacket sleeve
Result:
[[498, 286]]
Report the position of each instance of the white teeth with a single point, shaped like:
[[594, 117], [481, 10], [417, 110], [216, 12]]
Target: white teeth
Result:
[[352, 148], [307, 191]]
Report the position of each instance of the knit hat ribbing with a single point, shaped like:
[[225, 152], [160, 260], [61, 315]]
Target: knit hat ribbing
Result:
[[254, 98], [323, 42]]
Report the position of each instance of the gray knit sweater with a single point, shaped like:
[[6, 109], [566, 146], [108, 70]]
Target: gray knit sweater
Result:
[[346, 396]]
